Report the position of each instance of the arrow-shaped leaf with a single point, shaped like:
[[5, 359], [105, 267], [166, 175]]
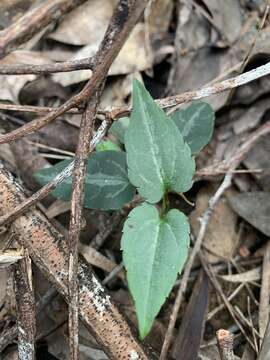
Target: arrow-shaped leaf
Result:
[[154, 250], [158, 158]]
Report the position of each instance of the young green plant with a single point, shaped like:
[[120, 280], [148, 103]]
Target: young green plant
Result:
[[158, 159]]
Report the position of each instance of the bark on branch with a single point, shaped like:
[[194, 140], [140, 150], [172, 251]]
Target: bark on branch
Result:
[[49, 250]]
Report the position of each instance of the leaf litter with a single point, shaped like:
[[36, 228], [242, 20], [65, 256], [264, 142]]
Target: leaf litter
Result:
[[172, 49]]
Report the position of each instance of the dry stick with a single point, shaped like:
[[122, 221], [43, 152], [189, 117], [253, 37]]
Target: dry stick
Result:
[[234, 162], [119, 112], [49, 250], [45, 190], [265, 292], [77, 199], [208, 269], [34, 109], [33, 21], [225, 344], [63, 66], [25, 300], [124, 18], [203, 92]]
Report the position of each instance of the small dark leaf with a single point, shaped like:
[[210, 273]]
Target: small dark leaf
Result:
[[196, 124], [107, 186]]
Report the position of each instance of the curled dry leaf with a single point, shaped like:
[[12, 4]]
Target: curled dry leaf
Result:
[[133, 57]]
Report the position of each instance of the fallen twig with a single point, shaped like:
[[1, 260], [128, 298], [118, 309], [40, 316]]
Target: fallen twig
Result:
[[48, 249], [204, 92], [63, 66], [167, 102], [80, 165], [225, 344], [34, 109], [25, 299]]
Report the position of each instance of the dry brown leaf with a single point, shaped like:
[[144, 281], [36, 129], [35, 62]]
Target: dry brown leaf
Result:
[[11, 85], [132, 58], [220, 234], [254, 207], [86, 24]]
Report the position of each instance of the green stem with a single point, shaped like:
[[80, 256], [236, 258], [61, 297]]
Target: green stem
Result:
[[165, 204]]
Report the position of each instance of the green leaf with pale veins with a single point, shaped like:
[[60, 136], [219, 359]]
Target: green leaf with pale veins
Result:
[[106, 185], [119, 128], [158, 158], [154, 252], [196, 124]]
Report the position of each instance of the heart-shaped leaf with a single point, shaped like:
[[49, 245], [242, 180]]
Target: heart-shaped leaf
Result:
[[196, 124], [107, 186], [154, 251], [158, 158]]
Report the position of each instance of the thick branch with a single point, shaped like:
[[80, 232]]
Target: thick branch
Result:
[[48, 249]]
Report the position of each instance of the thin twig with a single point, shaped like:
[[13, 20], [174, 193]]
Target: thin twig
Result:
[[34, 109], [77, 199], [25, 300], [204, 92], [208, 269], [168, 102], [63, 66], [225, 344]]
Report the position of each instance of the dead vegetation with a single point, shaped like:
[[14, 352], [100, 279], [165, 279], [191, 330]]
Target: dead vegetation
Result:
[[66, 70]]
